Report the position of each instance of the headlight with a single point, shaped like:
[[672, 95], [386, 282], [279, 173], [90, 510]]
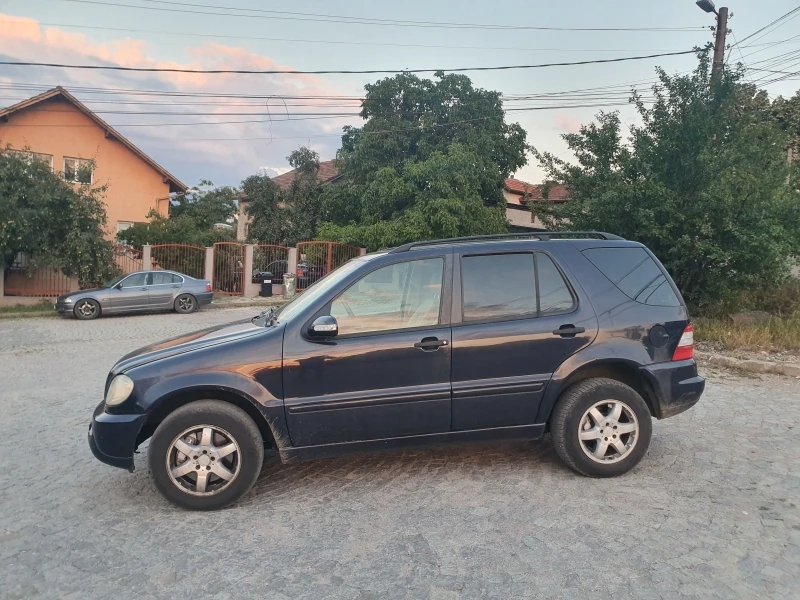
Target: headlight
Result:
[[67, 300], [120, 389]]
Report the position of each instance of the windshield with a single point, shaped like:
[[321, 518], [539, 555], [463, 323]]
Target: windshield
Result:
[[314, 291], [113, 282]]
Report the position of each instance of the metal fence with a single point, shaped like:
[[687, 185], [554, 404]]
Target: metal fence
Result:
[[228, 268], [271, 258], [128, 259], [21, 280], [317, 259], [189, 260]]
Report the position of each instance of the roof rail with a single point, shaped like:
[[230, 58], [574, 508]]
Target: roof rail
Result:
[[539, 235]]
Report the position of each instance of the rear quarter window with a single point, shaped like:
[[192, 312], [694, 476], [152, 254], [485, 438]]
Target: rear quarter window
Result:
[[635, 273]]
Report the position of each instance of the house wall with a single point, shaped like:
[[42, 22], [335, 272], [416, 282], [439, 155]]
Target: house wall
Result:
[[58, 128], [521, 217]]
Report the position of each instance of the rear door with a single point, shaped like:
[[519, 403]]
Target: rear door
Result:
[[516, 318], [163, 289], [133, 294]]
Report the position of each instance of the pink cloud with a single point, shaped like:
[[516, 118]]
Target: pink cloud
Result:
[[566, 123]]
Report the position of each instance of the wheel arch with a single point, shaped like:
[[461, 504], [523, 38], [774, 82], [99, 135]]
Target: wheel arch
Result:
[[176, 400], [621, 370]]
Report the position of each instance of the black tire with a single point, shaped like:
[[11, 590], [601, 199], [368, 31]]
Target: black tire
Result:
[[185, 304], [569, 414], [86, 309], [221, 416]]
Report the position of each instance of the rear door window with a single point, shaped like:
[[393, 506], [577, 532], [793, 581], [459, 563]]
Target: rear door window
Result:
[[554, 295], [498, 286], [635, 273]]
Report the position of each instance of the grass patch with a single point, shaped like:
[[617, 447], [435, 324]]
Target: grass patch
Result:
[[43, 306], [779, 334]]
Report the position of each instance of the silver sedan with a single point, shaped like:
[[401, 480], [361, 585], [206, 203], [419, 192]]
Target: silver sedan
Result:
[[138, 292]]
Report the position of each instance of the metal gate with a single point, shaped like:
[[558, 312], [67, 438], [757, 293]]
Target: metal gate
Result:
[[128, 259], [228, 268], [270, 258], [189, 260], [20, 280], [317, 259]]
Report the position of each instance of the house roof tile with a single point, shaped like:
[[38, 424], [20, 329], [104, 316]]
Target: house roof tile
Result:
[[557, 192], [327, 173]]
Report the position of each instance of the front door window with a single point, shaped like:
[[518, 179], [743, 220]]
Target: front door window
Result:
[[400, 296]]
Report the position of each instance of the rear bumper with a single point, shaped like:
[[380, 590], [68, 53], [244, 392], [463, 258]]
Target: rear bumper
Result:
[[677, 386], [205, 298], [112, 438]]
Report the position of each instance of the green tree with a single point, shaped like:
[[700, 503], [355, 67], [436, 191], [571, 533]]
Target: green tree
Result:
[[302, 198], [205, 204], [173, 230], [702, 182], [429, 162], [56, 224], [267, 219]]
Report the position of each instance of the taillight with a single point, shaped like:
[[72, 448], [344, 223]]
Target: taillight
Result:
[[208, 287], [685, 347]]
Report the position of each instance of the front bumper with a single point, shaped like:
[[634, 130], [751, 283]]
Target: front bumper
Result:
[[112, 438], [64, 309], [677, 386]]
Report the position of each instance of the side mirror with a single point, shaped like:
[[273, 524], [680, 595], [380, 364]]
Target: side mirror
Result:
[[324, 326], [118, 286]]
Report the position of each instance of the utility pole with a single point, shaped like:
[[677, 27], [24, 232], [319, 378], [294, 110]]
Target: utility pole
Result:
[[722, 34], [719, 43]]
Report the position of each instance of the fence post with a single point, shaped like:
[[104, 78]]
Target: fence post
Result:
[[2, 283], [147, 261], [74, 284], [291, 261], [209, 268], [250, 288], [362, 251]]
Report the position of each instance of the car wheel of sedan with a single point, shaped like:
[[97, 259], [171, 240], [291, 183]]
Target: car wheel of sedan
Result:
[[206, 455], [185, 304], [86, 309], [601, 428]]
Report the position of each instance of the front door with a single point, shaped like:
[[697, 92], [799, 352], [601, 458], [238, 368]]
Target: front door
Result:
[[132, 293], [504, 346], [387, 373]]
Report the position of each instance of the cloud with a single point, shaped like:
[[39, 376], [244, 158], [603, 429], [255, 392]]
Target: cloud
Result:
[[566, 123], [223, 153]]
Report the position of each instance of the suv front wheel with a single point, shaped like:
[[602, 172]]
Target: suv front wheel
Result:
[[601, 428], [206, 455]]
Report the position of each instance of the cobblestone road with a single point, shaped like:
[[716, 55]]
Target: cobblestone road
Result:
[[710, 513]]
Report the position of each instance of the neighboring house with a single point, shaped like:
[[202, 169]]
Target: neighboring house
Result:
[[57, 128], [328, 173], [520, 194]]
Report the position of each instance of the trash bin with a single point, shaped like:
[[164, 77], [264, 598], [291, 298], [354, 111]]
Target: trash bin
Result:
[[266, 285], [290, 284]]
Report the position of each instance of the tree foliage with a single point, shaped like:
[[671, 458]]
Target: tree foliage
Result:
[[702, 182], [429, 162], [191, 220], [55, 224], [290, 215]]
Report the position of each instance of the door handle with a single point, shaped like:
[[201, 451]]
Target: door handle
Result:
[[431, 343], [568, 330]]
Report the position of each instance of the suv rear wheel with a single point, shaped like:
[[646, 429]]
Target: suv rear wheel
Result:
[[601, 428], [206, 455]]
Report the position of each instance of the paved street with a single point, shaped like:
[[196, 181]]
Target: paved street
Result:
[[710, 513]]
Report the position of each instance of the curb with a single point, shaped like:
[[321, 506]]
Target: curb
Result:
[[26, 315], [751, 366]]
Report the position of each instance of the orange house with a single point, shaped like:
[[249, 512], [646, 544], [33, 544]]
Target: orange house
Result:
[[57, 128]]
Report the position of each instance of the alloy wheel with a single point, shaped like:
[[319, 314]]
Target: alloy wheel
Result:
[[203, 460], [86, 308], [608, 431], [185, 303]]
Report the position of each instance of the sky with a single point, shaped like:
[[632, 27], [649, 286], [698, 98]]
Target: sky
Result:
[[197, 139]]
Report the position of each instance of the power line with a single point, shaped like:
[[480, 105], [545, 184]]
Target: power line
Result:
[[326, 18], [318, 41], [778, 20], [335, 72]]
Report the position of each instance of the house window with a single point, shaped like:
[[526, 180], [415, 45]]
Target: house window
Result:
[[78, 170], [123, 225], [29, 157]]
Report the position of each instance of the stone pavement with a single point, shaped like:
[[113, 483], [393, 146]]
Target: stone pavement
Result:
[[710, 513]]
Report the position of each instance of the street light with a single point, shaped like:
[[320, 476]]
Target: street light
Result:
[[707, 5]]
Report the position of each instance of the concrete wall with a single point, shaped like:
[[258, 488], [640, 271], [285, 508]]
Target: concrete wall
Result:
[[56, 127]]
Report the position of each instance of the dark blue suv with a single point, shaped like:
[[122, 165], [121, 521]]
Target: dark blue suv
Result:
[[583, 335]]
